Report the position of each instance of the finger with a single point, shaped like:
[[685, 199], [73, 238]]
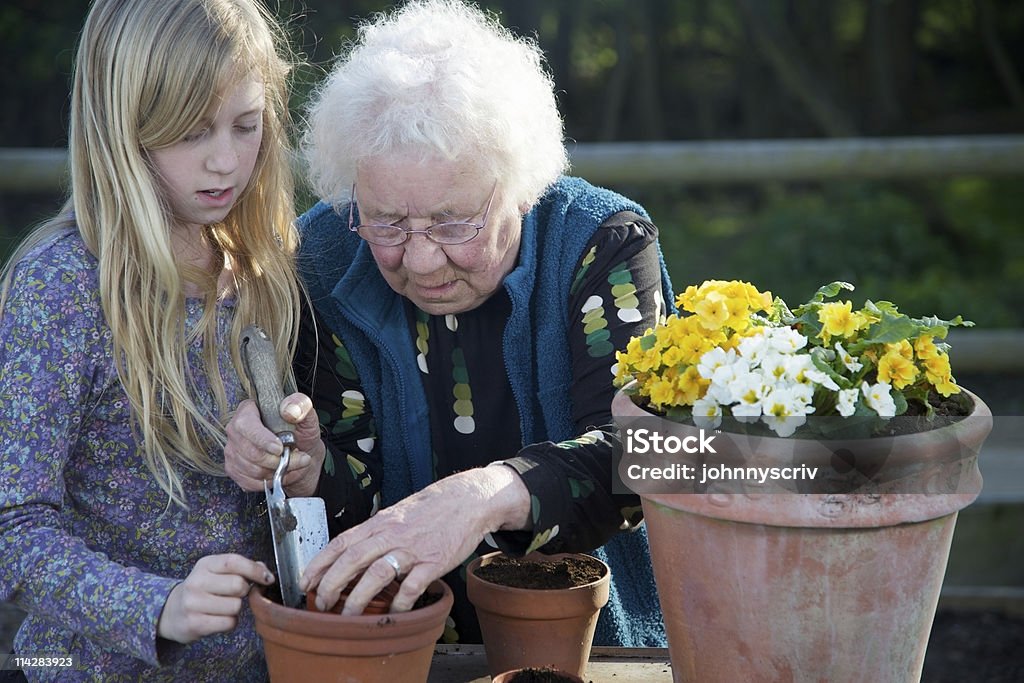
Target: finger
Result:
[[297, 409], [413, 586], [204, 625], [246, 426], [324, 560], [375, 579], [220, 606], [232, 564]]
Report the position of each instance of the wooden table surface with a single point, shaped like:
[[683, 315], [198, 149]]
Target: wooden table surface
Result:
[[468, 664]]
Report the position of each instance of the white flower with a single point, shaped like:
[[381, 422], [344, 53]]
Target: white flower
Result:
[[879, 399], [849, 361], [773, 367], [714, 359], [785, 410], [747, 390], [786, 340], [801, 369], [707, 413], [753, 347], [847, 402]]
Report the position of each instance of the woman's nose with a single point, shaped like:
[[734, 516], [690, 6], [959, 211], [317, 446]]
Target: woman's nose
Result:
[[423, 255]]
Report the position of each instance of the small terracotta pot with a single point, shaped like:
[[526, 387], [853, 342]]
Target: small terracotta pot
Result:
[[302, 645], [556, 674], [538, 628]]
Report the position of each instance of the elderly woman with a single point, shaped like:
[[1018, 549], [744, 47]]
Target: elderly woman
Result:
[[467, 301]]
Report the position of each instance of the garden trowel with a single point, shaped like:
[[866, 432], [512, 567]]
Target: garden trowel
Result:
[[298, 525]]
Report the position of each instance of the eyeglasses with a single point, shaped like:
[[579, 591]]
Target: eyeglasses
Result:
[[449, 232]]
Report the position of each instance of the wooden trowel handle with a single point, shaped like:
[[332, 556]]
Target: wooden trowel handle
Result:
[[260, 366]]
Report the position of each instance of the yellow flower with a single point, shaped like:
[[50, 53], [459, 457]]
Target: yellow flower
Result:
[[691, 386], [901, 347], [663, 393], [925, 348], [713, 311], [938, 372], [838, 320], [895, 369]]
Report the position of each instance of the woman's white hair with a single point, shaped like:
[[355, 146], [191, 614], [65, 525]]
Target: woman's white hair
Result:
[[437, 79]]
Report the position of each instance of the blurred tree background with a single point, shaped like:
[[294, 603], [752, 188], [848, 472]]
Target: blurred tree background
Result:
[[631, 70]]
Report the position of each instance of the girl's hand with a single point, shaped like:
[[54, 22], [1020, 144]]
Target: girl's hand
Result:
[[210, 598], [252, 452]]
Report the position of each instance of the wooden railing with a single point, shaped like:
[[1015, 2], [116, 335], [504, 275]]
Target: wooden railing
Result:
[[39, 169]]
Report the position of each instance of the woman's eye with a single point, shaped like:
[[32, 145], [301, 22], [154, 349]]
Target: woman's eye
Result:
[[248, 129], [192, 137]]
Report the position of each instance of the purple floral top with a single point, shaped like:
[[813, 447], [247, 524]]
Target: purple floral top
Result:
[[88, 543]]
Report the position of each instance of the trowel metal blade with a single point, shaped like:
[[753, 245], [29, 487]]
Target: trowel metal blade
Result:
[[299, 530]]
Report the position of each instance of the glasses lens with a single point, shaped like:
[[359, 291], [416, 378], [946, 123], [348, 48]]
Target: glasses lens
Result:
[[384, 235], [453, 233]]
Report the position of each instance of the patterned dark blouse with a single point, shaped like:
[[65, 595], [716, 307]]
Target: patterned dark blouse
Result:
[[88, 543], [474, 419]]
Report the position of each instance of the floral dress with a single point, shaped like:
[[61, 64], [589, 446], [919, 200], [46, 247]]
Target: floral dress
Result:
[[474, 420], [89, 545]]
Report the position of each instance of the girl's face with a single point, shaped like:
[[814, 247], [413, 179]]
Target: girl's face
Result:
[[204, 173], [439, 279]]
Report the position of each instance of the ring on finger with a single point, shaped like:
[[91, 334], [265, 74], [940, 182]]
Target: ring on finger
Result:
[[391, 560]]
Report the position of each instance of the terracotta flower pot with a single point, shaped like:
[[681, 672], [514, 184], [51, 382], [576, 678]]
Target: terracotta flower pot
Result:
[[770, 585], [525, 627], [301, 645]]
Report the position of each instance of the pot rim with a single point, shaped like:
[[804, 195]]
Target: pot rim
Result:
[[478, 562], [276, 615]]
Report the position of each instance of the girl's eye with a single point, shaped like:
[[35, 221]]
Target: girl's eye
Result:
[[192, 137], [248, 129]]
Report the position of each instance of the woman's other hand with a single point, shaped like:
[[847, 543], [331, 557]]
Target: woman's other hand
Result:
[[253, 452], [426, 535]]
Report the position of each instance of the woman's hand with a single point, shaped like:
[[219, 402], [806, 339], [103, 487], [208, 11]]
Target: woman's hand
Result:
[[210, 598], [252, 452], [427, 534]]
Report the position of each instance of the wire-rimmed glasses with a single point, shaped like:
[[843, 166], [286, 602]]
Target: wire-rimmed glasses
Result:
[[448, 232]]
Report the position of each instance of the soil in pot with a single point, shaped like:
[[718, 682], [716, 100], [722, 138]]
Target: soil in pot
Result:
[[566, 572], [537, 675]]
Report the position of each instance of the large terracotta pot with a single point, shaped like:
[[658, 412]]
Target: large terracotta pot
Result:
[[838, 582], [536, 628], [303, 646]]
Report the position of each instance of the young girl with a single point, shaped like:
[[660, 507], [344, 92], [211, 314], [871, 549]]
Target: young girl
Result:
[[119, 327]]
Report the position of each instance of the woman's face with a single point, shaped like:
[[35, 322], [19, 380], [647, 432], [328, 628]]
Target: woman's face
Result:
[[439, 279]]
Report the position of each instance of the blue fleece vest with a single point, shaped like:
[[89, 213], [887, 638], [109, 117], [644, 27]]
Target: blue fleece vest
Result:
[[361, 308]]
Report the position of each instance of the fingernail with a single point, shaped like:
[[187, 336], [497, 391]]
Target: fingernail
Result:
[[320, 604], [268, 577], [293, 412]]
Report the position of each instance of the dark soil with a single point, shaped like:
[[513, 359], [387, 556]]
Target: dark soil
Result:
[[567, 572], [544, 675]]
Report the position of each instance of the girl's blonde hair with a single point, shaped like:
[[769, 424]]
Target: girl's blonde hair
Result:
[[146, 73]]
